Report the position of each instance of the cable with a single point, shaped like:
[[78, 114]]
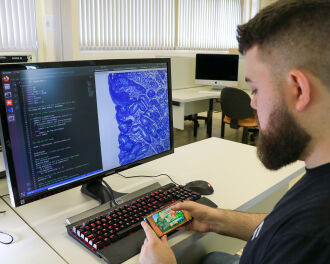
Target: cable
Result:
[[111, 195], [10, 238], [36, 232], [4, 195], [110, 191], [145, 176]]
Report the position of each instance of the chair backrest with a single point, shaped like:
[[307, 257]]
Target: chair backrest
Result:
[[235, 103]]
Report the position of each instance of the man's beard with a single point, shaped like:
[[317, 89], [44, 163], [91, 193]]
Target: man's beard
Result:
[[283, 141]]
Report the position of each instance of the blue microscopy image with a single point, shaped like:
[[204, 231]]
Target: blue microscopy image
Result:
[[142, 114]]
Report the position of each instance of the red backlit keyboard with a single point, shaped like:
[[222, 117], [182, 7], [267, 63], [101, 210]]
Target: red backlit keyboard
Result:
[[117, 232]]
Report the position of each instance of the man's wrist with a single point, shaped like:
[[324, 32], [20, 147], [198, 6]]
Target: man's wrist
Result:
[[216, 220]]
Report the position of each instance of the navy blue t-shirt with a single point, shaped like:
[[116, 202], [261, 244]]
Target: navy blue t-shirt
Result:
[[298, 228]]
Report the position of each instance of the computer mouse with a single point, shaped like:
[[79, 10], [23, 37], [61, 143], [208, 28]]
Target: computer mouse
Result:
[[201, 187]]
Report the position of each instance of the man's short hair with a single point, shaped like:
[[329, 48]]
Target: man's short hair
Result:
[[291, 34]]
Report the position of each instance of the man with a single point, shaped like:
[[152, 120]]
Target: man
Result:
[[287, 52]]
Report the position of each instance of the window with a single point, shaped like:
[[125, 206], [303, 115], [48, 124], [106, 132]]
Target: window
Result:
[[251, 8], [17, 25], [208, 24], [162, 24], [126, 24]]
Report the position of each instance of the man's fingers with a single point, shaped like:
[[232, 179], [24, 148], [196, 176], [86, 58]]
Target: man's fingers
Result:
[[188, 226], [186, 205], [150, 234]]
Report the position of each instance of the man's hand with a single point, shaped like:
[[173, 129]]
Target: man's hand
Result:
[[204, 216], [225, 222], [155, 250]]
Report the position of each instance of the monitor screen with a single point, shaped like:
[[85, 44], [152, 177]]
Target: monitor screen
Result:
[[68, 123], [217, 69]]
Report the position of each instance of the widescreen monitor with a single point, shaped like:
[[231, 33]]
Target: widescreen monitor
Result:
[[66, 124], [218, 70]]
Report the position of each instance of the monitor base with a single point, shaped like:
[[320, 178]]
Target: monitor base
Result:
[[218, 87], [98, 191], [2, 174]]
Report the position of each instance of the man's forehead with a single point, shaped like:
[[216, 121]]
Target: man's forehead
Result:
[[255, 67], [250, 64]]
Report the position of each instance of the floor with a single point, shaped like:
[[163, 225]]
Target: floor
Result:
[[186, 136]]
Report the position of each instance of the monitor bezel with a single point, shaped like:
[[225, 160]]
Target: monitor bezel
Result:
[[6, 143]]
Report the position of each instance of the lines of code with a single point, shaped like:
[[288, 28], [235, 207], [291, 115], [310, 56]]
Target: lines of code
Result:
[[56, 112]]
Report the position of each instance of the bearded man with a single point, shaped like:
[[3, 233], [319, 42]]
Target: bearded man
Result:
[[287, 53]]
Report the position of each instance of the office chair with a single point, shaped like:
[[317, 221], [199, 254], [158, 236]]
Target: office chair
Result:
[[195, 119], [237, 112]]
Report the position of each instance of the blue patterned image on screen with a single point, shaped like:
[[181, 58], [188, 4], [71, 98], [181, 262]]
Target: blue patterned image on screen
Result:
[[141, 103]]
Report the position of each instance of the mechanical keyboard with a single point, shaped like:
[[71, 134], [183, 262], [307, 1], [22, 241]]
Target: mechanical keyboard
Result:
[[116, 234]]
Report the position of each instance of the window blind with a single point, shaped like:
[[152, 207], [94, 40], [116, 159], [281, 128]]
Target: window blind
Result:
[[17, 25], [127, 24], [251, 8], [208, 24]]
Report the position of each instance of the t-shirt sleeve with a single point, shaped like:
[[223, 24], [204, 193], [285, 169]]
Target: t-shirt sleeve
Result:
[[295, 248]]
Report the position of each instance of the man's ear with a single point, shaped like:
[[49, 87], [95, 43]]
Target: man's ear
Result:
[[301, 87]]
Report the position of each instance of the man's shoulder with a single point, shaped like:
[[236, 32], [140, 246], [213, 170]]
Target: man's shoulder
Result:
[[299, 231], [299, 248], [311, 193], [305, 212]]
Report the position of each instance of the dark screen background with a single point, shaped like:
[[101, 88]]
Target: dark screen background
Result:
[[60, 124]]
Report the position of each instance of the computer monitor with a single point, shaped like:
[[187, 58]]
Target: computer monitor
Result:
[[65, 124], [218, 70]]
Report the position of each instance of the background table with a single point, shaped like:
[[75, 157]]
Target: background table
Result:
[[190, 101]]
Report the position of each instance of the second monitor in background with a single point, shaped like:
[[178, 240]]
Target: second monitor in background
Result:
[[218, 70]]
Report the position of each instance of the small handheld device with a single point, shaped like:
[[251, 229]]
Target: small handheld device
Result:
[[166, 220]]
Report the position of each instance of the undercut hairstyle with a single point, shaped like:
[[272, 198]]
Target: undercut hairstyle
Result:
[[291, 34]]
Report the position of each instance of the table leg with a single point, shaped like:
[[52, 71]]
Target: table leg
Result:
[[209, 119]]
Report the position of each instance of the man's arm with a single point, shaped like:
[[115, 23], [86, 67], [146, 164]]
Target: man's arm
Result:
[[206, 219], [237, 224], [225, 222]]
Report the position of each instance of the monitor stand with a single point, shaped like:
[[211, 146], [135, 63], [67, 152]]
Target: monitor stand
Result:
[[2, 174], [98, 191], [218, 87]]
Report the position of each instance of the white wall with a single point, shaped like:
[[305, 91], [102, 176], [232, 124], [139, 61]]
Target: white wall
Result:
[[183, 72], [48, 30], [266, 2]]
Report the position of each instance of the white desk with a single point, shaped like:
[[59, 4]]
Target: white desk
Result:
[[239, 179], [27, 246], [191, 101], [3, 182]]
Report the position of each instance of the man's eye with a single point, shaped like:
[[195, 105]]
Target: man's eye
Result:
[[254, 92]]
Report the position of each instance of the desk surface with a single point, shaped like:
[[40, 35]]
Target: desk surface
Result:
[[27, 246], [194, 94], [198, 93], [239, 179]]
